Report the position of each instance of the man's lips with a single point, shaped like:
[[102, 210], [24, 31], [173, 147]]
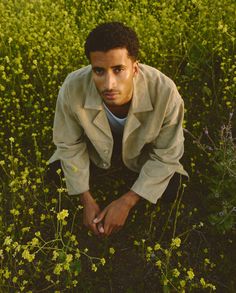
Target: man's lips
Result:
[[110, 95]]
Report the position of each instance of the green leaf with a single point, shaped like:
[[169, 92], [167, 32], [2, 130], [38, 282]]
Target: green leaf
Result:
[[76, 266]]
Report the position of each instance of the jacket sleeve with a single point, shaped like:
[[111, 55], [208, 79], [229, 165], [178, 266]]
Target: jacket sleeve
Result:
[[164, 154], [68, 136]]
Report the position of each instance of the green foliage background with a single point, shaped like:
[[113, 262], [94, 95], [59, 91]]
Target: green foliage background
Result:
[[191, 41]]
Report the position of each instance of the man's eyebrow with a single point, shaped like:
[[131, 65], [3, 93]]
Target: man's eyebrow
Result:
[[97, 67], [118, 66]]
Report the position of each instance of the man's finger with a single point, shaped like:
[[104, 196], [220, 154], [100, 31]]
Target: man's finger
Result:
[[94, 229], [110, 230], [108, 227], [99, 217], [100, 227]]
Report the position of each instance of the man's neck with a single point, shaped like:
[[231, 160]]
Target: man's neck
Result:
[[120, 111]]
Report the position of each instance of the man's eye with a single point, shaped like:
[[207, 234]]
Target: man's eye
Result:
[[118, 70], [98, 71]]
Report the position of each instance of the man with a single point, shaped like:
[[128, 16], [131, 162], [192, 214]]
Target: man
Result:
[[117, 99]]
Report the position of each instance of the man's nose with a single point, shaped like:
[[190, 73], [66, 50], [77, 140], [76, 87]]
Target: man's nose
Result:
[[110, 82]]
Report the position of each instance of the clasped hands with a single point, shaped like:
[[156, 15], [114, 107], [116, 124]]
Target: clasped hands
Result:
[[112, 218]]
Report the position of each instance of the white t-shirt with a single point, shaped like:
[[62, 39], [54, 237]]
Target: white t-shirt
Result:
[[116, 124]]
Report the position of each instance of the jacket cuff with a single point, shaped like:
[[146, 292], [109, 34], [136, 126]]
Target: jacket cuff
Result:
[[150, 189]]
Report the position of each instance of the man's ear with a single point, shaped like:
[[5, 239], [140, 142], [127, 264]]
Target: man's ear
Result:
[[136, 67]]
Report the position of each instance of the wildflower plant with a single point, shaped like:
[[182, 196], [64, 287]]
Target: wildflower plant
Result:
[[220, 176], [42, 243]]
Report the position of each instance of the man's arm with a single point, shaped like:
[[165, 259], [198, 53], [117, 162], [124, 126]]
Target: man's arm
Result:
[[164, 153], [68, 136]]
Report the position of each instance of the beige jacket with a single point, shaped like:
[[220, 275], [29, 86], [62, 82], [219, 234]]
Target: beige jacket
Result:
[[153, 136]]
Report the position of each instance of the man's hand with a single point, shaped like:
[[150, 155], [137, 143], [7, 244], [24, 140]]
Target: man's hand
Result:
[[90, 211], [115, 214]]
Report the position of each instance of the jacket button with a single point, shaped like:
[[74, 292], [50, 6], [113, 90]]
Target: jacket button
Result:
[[106, 152]]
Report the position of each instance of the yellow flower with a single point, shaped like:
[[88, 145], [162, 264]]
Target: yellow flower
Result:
[[54, 200], [31, 211], [58, 171], [213, 287], [176, 242], [21, 272], [176, 273], [103, 261], [165, 281], [207, 261], [202, 281], [14, 212], [35, 241], [42, 217], [27, 255], [190, 274], [7, 241], [94, 267], [55, 255], [77, 255], [111, 250], [75, 282], [73, 238], [58, 269], [69, 258], [149, 249], [37, 234], [62, 215], [158, 264], [7, 274], [157, 246]]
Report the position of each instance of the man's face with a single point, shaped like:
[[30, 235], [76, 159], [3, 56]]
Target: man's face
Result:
[[113, 73]]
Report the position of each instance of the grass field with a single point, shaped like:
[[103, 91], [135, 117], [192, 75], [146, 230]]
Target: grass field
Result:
[[187, 245]]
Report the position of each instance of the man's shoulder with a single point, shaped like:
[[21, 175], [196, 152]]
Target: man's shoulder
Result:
[[80, 75], [160, 87], [75, 85], [156, 77]]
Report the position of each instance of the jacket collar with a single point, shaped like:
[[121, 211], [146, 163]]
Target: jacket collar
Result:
[[92, 100], [141, 101]]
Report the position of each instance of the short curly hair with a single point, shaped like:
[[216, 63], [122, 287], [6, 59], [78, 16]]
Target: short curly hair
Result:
[[112, 35]]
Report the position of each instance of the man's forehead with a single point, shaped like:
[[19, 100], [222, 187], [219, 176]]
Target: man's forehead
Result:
[[111, 58]]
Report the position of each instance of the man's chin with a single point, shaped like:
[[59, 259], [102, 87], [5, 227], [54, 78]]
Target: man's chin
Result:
[[109, 102]]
